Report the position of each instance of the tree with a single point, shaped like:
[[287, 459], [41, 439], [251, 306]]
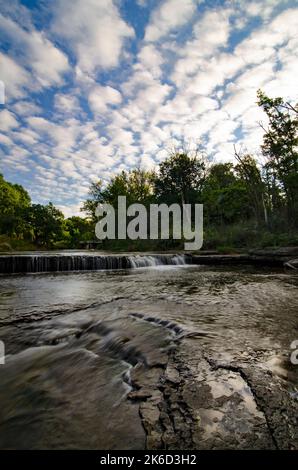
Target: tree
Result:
[[46, 223], [77, 229], [280, 146], [14, 199], [95, 197], [224, 196], [247, 170], [180, 177], [136, 185]]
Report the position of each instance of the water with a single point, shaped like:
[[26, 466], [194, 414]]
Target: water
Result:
[[84, 351], [83, 261]]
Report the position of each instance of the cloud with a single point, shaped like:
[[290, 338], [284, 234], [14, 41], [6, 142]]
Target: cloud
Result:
[[150, 59], [15, 78], [8, 121], [71, 209], [171, 15], [210, 34], [63, 136], [5, 140], [94, 30], [67, 104], [26, 137], [47, 63], [103, 96], [26, 108]]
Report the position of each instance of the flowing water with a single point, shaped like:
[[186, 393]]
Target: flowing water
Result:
[[84, 261], [165, 356]]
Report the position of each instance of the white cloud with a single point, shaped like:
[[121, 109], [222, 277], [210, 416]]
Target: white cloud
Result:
[[101, 97], [6, 140], [8, 121], [150, 59], [71, 209], [63, 136], [153, 95], [26, 108], [210, 34], [26, 136], [67, 104], [201, 104], [47, 63], [94, 30], [171, 15], [15, 77]]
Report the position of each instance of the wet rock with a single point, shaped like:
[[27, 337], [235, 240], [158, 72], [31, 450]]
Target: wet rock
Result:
[[292, 264], [142, 394], [288, 251]]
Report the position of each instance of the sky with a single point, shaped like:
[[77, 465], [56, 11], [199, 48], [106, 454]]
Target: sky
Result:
[[93, 87]]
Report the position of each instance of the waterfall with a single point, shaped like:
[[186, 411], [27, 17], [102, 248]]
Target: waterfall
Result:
[[141, 261], [179, 259], [46, 262]]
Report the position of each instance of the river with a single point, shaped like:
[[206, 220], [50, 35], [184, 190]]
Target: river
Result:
[[161, 357]]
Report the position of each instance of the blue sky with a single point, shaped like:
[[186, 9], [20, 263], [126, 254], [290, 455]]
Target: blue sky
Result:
[[96, 86]]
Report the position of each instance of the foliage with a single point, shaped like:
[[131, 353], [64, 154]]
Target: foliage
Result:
[[180, 177], [77, 230], [45, 223], [136, 185], [280, 146], [14, 200], [224, 195], [94, 198]]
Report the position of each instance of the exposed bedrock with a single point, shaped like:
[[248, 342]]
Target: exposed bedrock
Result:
[[195, 402], [139, 381]]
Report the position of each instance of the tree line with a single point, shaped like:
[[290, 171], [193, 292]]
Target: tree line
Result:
[[246, 203], [24, 225]]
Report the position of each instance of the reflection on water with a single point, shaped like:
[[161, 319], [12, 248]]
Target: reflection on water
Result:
[[72, 338]]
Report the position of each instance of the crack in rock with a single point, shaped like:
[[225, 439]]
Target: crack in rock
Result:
[[238, 370]]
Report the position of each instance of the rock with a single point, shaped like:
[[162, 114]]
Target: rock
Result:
[[286, 251], [292, 264], [142, 394]]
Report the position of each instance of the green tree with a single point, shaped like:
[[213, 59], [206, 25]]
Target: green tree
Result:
[[77, 229], [224, 196], [280, 146], [95, 197], [46, 224], [180, 177], [14, 200], [136, 185], [249, 172]]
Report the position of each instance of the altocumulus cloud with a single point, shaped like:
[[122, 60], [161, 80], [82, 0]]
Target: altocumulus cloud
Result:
[[94, 87]]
